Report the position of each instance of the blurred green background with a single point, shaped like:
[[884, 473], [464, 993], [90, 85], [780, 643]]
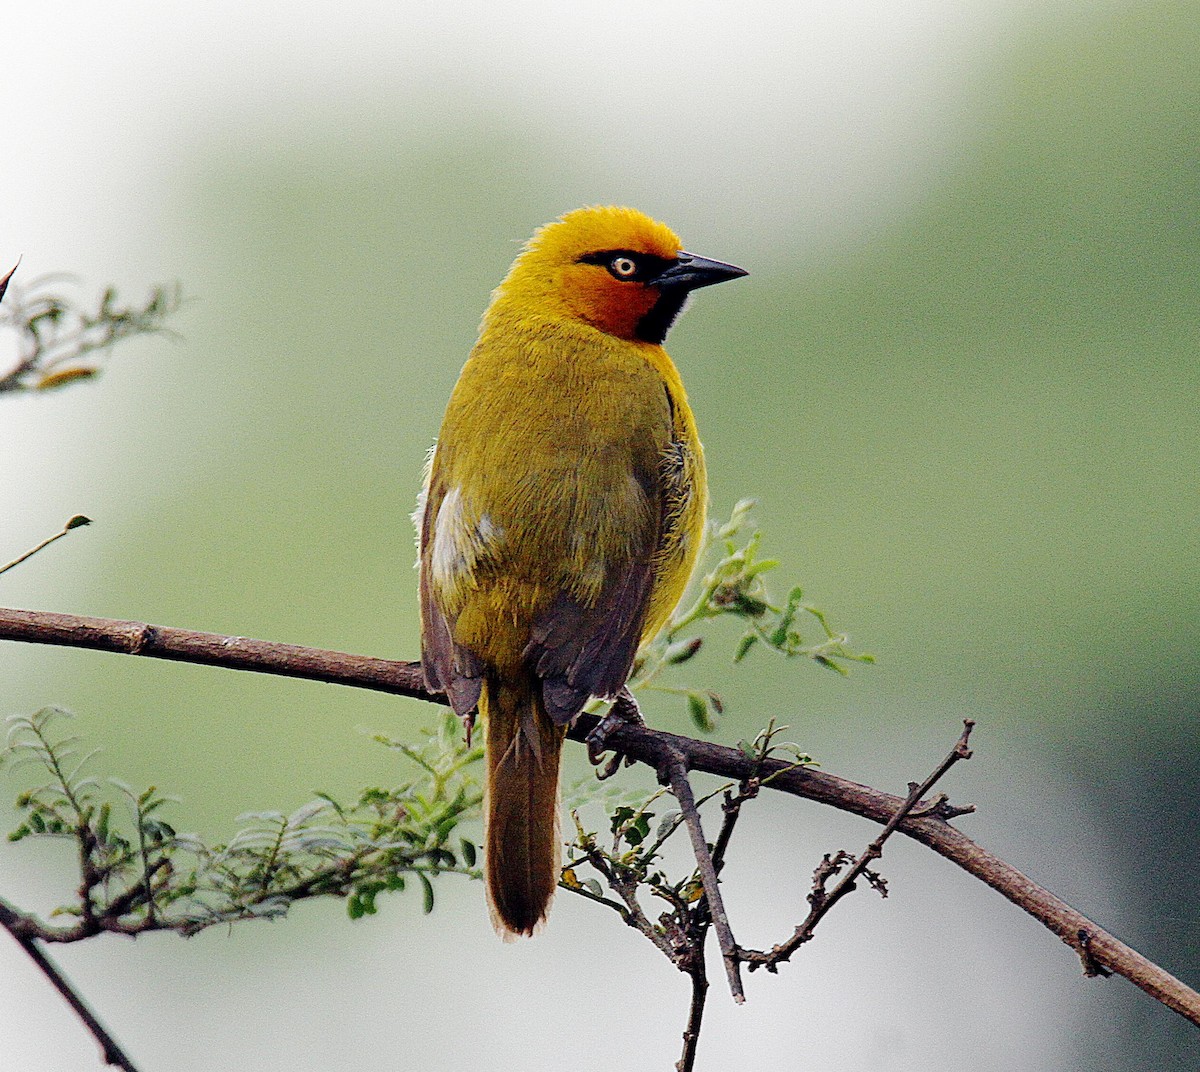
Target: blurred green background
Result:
[[961, 382]]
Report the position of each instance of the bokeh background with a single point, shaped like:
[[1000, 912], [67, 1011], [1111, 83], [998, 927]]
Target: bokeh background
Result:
[[961, 382]]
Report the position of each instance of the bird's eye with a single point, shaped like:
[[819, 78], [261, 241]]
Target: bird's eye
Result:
[[623, 267]]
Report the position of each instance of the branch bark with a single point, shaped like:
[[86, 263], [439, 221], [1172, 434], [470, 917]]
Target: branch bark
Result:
[[1097, 949]]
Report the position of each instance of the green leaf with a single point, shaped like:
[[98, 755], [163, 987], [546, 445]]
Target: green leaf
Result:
[[698, 709], [744, 646], [468, 851], [620, 817], [824, 660], [761, 566], [102, 822], [428, 906], [637, 830], [665, 824]]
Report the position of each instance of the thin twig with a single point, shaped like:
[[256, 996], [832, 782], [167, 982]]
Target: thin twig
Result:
[[633, 913], [674, 768], [78, 521], [691, 1033], [823, 901], [731, 806], [14, 923], [642, 744], [696, 969]]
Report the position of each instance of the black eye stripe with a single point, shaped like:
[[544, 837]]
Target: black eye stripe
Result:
[[647, 266]]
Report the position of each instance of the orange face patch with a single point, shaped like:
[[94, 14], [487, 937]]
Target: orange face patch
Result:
[[614, 306], [551, 272]]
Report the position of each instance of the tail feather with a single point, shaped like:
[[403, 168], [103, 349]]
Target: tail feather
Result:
[[523, 847]]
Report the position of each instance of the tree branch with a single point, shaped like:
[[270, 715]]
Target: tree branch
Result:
[[691, 1034], [17, 925], [1097, 949], [212, 649]]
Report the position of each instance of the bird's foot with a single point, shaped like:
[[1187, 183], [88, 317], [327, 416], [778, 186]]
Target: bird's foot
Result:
[[624, 712]]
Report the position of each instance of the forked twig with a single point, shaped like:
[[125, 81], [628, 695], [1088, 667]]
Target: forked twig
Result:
[[732, 806], [820, 899]]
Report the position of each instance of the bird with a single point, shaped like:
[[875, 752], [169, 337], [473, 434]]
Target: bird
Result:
[[562, 513]]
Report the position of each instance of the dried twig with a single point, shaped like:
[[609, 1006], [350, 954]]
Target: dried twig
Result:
[[691, 1033], [78, 521], [731, 806]]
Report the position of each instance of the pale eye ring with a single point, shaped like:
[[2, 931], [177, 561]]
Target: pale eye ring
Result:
[[623, 267]]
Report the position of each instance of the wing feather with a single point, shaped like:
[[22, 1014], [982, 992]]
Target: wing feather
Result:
[[449, 667]]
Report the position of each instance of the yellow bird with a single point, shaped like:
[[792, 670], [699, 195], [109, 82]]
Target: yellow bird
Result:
[[562, 515]]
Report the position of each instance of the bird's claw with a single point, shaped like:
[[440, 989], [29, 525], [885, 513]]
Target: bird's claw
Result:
[[624, 712]]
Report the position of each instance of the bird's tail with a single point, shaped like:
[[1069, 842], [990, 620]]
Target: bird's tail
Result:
[[523, 851]]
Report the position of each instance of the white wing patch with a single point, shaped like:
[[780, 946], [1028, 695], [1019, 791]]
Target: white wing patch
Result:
[[459, 542], [418, 515]]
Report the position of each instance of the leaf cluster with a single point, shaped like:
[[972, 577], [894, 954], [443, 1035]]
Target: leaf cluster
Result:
[[630, 857], [138, 873], [735, 588], [57, 337]]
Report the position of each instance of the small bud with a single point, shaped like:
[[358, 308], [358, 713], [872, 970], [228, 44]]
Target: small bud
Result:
[[64, 376]]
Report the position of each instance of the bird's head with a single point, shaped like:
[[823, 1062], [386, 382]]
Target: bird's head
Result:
[[613, 268]]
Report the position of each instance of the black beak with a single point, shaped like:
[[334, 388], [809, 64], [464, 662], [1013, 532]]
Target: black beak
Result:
[[690, 272]]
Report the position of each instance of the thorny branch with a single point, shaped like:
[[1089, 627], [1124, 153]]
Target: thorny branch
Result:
[[632, 865], [640, 743], [688, 923], [731, 807]]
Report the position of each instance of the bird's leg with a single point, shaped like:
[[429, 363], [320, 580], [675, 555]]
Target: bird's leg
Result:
[[624, 712]]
